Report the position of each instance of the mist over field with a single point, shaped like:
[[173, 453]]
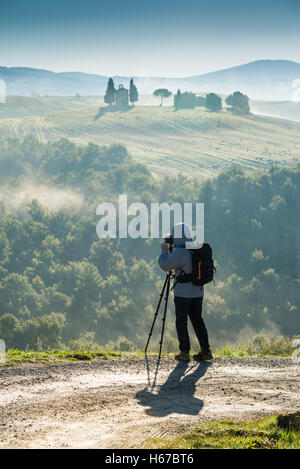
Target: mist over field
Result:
[[51, 198]]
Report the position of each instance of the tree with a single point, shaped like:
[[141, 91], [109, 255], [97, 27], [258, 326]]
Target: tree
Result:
[[213, 102], [239, 103], [200, 101], [8, 323], [133, 92], [163, 93], [184, 100], [110, 94], [17, 296], [4, 248], [177, 97]]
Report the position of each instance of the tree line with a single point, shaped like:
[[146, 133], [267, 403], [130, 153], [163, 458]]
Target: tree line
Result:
[[237, 102], [58, 280]]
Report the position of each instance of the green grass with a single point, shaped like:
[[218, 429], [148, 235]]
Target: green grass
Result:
[[259, 347], [195, 142], [17, 357], [226, 434]]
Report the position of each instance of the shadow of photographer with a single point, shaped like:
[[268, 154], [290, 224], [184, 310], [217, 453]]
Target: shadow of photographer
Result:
[[177, 393]]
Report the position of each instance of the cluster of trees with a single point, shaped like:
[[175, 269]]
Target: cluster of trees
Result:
[[58, 280], [93, 169], [185, 100], [237, 102]]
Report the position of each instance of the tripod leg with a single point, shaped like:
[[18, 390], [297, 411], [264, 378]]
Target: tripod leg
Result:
[[156, 313], [164, 316]]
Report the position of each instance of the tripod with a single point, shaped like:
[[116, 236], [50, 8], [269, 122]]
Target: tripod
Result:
[[166, 290]]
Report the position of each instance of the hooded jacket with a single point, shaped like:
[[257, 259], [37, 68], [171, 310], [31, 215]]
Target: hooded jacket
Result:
[[180, 260]]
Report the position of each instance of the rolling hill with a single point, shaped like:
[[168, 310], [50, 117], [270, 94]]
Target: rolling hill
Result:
[[262, 79], [194, 142]]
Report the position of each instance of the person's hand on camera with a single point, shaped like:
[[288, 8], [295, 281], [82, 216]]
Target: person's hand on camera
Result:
[[164, 246]]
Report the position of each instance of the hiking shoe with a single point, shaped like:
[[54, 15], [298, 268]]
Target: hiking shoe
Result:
[[203, 355], [183, 356]]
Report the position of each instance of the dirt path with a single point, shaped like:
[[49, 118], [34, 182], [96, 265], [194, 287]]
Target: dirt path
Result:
[[110, 404]]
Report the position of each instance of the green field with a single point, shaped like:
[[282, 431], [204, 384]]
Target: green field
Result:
[[264, 433], [194, 142]]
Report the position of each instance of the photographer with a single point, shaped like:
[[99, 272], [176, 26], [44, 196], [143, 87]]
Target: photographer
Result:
[[187, 296]]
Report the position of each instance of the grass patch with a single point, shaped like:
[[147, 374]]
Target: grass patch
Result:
[[226, 434], [85, 349], [259, 346], [16, 357]]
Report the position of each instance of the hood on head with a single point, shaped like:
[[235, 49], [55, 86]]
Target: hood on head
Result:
[[181, 233]]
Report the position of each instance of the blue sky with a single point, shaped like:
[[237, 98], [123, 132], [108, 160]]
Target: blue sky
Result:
[[153, 38]]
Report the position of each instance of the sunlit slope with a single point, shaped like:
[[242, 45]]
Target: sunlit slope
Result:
[[195, 142], [23, 106]]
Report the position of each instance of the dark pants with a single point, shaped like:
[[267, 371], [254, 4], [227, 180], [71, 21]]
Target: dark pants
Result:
[[192, 308]]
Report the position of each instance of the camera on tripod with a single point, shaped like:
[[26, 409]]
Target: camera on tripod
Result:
[[170, 241]]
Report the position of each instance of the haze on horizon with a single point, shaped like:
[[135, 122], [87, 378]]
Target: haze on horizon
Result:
[[172, 39]]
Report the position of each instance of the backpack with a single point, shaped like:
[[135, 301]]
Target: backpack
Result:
[[202, 265]]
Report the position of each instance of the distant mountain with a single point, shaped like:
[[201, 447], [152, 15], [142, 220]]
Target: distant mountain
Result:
[[263, 79], [31, 81]]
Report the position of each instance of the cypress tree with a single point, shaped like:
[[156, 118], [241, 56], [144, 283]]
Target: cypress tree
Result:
[[133, 92], [177, 99], [110, 94]]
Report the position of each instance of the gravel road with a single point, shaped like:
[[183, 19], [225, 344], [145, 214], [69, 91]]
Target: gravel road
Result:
[[121, 403]]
